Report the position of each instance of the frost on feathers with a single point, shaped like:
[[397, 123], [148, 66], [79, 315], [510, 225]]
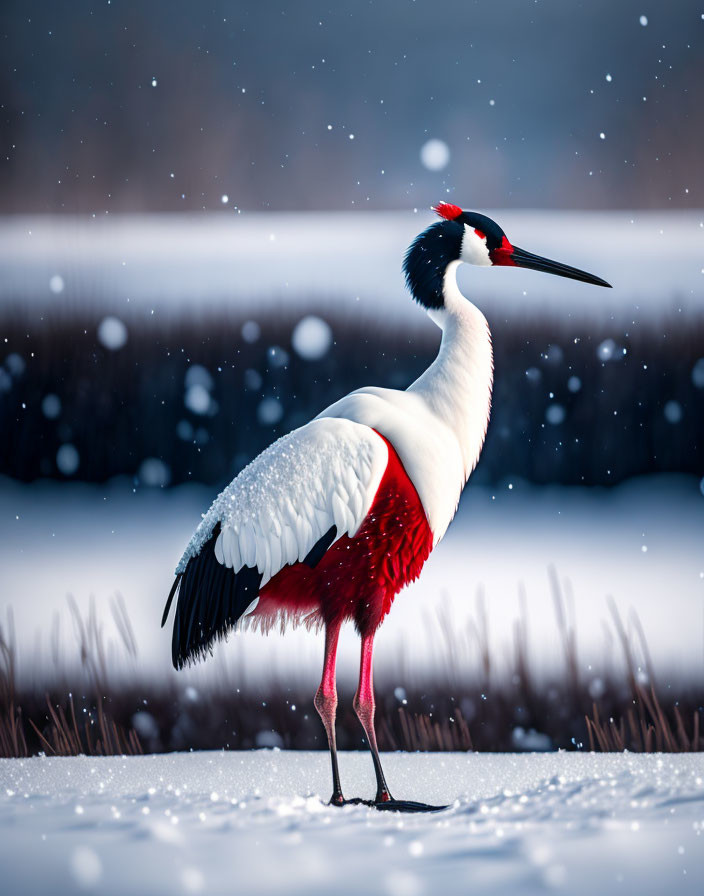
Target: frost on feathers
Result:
[[325, 473]]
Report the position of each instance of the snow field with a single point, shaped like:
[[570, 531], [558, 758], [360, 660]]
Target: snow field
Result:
[[99, 540], [256, 822], [268, 261]]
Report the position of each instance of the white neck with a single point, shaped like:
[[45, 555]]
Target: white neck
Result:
[[457, 385]]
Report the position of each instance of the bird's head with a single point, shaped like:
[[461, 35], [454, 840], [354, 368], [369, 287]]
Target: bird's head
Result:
[[469, 237]]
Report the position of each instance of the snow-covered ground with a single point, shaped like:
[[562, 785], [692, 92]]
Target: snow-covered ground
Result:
[[255, 822], [640, 542], [273, 261]]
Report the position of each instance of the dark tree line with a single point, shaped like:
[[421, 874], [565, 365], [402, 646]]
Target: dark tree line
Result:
[[562, 413]]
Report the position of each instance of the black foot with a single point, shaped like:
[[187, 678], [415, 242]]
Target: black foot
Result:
[[406, 806], [340, 801], [386, 805]]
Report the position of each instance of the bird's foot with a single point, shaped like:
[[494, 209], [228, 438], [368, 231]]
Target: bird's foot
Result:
[[339, 801], [392, 805], [385, 805]]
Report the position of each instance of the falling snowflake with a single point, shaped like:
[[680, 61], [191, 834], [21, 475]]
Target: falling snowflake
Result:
[[435, 155]]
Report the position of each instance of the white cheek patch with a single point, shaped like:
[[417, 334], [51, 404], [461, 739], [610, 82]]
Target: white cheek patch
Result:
[[474, 248]]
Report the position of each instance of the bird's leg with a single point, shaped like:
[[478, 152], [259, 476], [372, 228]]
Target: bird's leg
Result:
[[326, 704], [364, 707]]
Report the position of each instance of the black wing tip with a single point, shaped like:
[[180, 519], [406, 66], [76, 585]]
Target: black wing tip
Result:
[[197, 652], [169, 599], [211, 600], [317, 552], [200, 644]]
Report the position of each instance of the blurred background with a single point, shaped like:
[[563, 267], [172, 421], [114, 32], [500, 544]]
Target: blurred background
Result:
[[121, 106], [203, 215]]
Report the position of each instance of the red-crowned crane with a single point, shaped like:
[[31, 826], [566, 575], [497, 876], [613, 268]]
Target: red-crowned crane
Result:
[[333, 519]]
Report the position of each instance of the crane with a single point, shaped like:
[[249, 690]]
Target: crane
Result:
[[331, 521]]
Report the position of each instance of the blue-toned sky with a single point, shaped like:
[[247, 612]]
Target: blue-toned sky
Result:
[[167, 105]]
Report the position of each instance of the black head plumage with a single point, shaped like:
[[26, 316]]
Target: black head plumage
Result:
[[441, 243], [427, 258]]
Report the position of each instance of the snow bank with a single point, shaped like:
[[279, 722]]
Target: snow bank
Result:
[[255, 823], [269, 262], [639, 542]]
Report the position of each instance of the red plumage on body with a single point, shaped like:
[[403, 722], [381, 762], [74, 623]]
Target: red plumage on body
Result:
[[358, 578]]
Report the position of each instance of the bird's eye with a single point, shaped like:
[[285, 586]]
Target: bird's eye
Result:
[[481, 235]]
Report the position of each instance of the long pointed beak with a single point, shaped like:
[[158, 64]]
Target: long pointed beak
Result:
[[523, 259]]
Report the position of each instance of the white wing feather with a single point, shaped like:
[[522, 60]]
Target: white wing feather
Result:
[[322, 475]]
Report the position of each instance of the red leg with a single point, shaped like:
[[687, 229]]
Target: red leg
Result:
[[364, 707], [326, 704]]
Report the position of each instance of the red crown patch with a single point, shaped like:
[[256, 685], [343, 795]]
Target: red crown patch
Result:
[[447, 210]]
